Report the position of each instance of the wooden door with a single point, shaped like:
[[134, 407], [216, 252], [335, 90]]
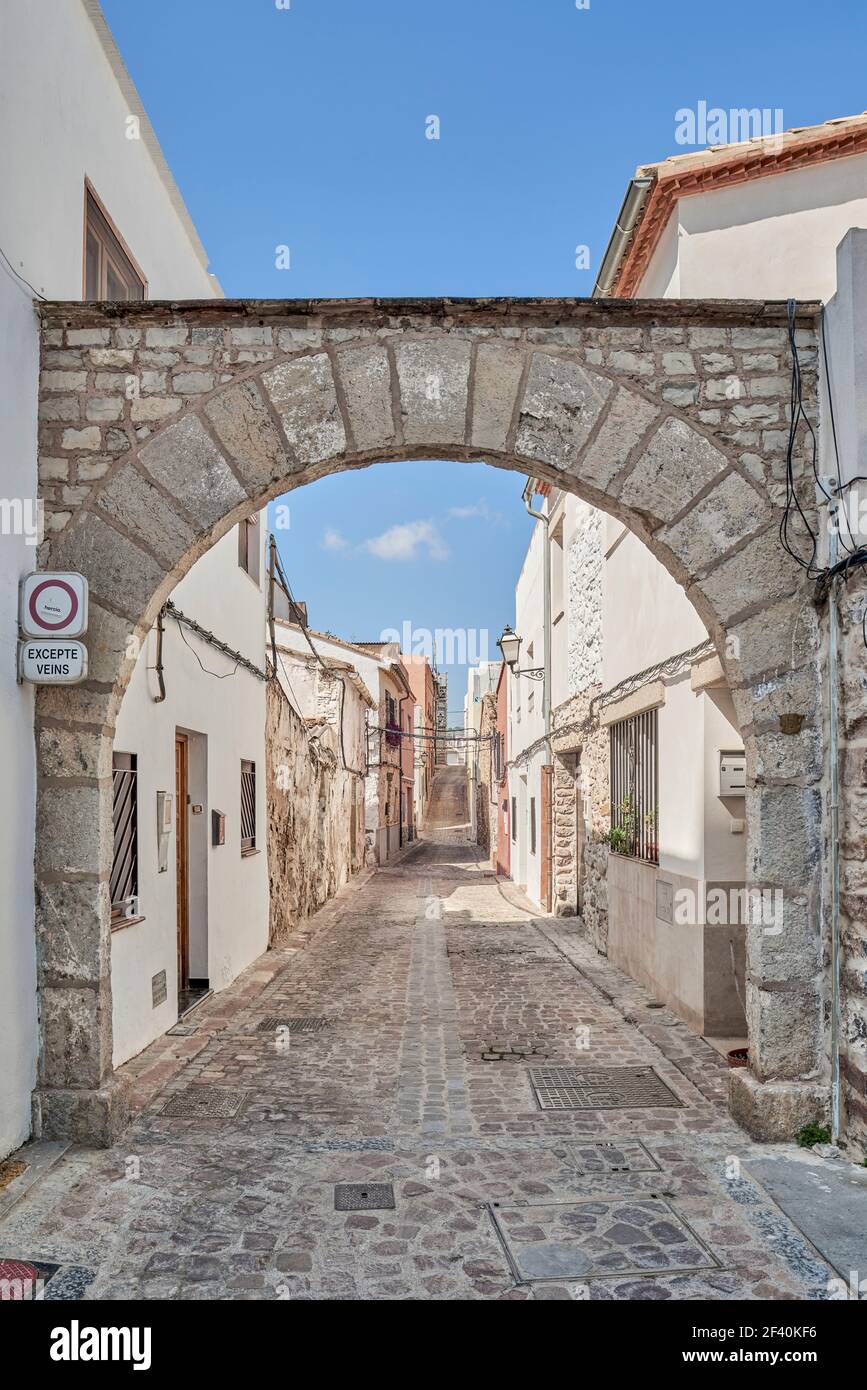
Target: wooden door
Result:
[[183, 860]]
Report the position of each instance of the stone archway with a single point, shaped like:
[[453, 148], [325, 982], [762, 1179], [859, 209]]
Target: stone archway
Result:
[[162, 424]]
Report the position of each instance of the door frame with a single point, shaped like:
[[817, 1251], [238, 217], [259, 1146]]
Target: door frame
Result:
[[182, 858]]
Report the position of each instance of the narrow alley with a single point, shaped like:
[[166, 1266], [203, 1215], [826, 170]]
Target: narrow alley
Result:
[[382, 1110]]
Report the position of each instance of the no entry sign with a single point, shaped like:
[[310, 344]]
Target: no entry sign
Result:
[[54, 605], [46, 662]]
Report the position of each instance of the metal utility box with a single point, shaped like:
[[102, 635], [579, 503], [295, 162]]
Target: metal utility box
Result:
[[732, 774]]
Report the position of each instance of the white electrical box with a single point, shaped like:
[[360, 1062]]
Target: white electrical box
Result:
[[732, 774]]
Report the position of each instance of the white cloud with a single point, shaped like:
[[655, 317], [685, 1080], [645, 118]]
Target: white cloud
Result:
[[403, 542], [332, 540], [477, 510]]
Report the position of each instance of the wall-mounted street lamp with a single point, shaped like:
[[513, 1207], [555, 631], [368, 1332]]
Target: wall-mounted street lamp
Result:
[[510, 645]]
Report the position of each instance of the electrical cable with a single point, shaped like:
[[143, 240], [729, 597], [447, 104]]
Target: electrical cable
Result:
[[22, 278]]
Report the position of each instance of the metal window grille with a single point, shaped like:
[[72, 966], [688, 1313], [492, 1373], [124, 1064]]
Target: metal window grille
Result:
[[635, 783], [248, 805], [124, 864]]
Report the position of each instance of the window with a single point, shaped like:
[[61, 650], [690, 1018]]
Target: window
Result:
[[531, 701], [635, 785], [514, 820], [532, 825], [109, 272], [248, 806], [248, 546], [124, 864]]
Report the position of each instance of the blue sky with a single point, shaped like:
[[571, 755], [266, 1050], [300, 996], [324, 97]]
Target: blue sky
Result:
[[306, 127]]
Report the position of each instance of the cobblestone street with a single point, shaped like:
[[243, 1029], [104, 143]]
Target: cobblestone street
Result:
[[394, 1046]]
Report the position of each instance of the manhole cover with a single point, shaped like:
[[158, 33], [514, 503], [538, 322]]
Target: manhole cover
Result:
[[600, 1088], [205, 1103], [182, 1030], [363, 1196], [293, 1025], [621, 1156], [580, 1240]]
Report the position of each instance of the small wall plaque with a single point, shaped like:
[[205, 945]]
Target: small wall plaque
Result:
[[159, 993], [218, 828], [665, 900]]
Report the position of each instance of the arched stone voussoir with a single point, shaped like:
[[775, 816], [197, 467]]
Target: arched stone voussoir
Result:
[[560, 404], [184, 460], [676, 465], [303, 393]]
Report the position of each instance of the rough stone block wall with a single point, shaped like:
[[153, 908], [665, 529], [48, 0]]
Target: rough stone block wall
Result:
[[580, 748], [584, 587], [310, 797], [853, 850]]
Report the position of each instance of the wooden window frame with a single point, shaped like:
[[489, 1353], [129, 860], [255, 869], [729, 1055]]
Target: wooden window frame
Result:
[[249, 547], [112, 245]]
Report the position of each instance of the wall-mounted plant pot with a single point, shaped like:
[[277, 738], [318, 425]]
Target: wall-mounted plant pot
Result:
[[738, 1057]]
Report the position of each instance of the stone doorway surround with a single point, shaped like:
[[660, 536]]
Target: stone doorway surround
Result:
[[161, 424]]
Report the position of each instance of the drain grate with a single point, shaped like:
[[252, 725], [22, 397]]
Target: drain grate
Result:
[[204, 1103], [308, 1024], [601, 1088], [517, 1050], [364, 1196]]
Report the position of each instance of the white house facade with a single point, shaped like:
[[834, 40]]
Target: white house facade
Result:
[[89, 210]]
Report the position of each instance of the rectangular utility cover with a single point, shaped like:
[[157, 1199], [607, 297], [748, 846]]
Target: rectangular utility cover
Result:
[[732, 774]]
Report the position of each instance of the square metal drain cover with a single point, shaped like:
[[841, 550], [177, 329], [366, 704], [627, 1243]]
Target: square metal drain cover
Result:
[[364, 1196], [581, 1240], [205, 1103], [600, 1088], [293, 1025], [619, 1156]]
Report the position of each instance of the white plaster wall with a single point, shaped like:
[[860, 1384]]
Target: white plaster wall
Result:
[[771, 238], [230, 715], [63, 116], [646, 616], [19, 369]]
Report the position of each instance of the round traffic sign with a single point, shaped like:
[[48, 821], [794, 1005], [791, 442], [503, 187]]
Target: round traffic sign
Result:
[[53, 604]]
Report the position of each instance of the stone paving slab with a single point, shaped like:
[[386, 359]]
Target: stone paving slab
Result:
[[395, 1091]]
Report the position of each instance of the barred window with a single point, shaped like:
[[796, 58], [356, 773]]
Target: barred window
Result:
[[124, 864], [532, 825], [514, 820], [248, 806], [635, 785]]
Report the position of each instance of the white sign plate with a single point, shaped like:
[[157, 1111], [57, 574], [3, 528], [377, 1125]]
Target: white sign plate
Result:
[[46, 661], [54, 605]]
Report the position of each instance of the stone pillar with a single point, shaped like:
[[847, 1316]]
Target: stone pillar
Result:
[[781, 715], [77, 1096]]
